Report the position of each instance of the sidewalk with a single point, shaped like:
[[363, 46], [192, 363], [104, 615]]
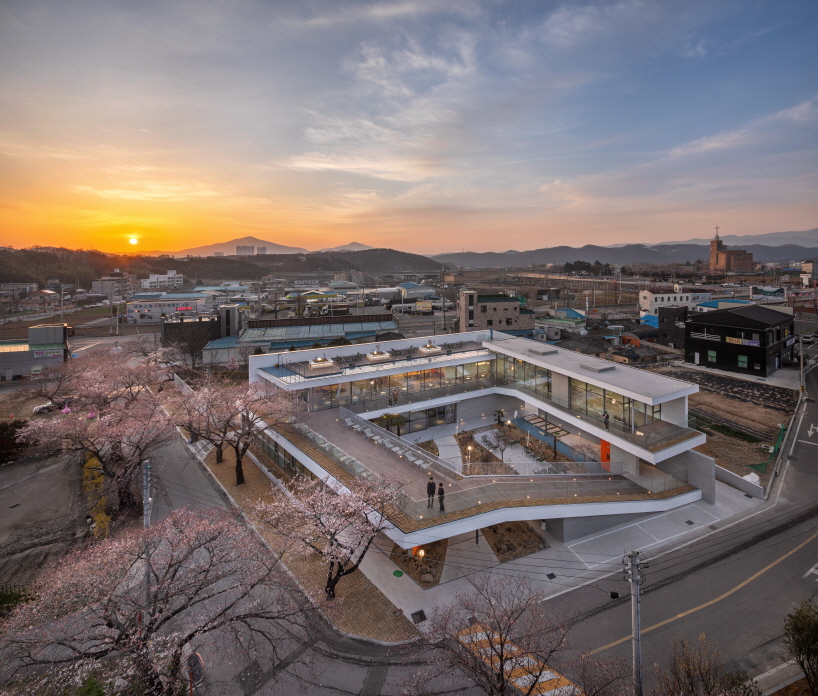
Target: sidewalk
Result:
[[362, 609], [572, 564]]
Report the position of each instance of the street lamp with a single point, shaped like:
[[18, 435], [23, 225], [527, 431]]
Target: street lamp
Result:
[[469, 448]]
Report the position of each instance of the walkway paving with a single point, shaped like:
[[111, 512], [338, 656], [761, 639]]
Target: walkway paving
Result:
[[448, 449]]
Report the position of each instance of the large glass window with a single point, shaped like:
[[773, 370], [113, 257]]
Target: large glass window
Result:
[[596, 401]]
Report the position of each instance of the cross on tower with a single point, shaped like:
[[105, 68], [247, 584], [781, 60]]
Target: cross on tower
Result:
[[717, 231]]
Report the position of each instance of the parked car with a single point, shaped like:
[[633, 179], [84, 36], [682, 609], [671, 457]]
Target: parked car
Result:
[[45, 408], [807, 339]]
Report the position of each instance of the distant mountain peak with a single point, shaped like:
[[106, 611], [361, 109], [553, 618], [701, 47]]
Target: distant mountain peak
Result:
[[229, 248], [352, 246]]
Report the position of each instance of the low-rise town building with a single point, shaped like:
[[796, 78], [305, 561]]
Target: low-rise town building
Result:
[[650, 302], [171, 279], [46, 346], [750, 339], [477, 312]]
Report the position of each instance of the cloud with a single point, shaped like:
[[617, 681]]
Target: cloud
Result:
[[382, 12], [153, 191]]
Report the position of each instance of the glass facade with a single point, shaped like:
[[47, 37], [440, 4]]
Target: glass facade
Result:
[[393, 390], [283, 459], [593, 400], [519, 373], [430, 417]]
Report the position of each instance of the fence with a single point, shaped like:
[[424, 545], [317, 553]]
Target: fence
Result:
[[181, 385]]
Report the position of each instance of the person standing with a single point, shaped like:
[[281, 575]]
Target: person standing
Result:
[[606, 420], [430, 492], [440, 495]]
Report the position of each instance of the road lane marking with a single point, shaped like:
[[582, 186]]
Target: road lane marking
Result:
[[712, 601], [807, 442], [813, 570]]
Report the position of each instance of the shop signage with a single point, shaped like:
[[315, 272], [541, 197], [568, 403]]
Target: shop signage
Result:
[[47, 353], [743, 342]]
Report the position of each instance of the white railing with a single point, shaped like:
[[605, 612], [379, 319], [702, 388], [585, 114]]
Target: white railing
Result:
[[442, 465]]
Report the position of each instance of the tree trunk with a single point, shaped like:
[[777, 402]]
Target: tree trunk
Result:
[[332, 581], [239, 472], [127, 500], [219, 454]]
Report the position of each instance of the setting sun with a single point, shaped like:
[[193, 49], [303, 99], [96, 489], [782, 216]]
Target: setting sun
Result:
[[134, 240]]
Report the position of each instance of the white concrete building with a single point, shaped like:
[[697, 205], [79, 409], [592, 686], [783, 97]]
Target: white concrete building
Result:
[[649, 302], [637, 460], [171, 279]]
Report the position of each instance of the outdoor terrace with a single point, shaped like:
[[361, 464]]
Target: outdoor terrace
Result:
[[343, 452], [360, 364]]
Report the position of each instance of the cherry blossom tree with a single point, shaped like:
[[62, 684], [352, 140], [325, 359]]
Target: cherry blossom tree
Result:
[[133, 606], [339, 525], [121, 436], [232, 415], [502, 636], [96, 378]]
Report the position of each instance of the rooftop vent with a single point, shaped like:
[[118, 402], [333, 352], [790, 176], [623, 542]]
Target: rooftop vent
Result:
[[542, 351], [598, 368]]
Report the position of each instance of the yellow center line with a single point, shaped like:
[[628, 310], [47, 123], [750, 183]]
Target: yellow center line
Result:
[[712, 601]]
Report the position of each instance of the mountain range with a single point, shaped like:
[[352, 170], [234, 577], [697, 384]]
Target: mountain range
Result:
[[229, 248], [621, 255], [807, 238]]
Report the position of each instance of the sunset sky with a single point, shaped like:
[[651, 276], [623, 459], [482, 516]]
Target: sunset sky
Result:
[[427, 126]]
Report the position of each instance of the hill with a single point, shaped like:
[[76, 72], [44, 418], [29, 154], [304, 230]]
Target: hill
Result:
[[229, 248], [352, 246], [366, 261], [79, 266], [622, 255]]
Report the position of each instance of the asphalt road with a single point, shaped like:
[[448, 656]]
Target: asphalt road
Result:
[[735, 585]]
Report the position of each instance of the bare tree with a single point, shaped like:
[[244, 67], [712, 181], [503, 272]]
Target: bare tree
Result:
[[339, 525], [801, 641], [131, 607], [698, 670], [501, 635]]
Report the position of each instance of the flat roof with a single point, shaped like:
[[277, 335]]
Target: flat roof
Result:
[[642, 385]]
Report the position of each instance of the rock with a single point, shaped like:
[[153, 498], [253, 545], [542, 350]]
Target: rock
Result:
[[427, 577]]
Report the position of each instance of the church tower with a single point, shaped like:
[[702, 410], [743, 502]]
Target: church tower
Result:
[[716, 245]]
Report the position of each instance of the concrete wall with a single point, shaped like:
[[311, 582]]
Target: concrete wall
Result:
[[701, 471], [21, 362], [675, 411], [628, 461], [472, 409], [570, 528], [737, 481]]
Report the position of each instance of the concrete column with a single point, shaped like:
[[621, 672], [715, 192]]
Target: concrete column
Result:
[[629, 462], [560, 387], [675, 411]]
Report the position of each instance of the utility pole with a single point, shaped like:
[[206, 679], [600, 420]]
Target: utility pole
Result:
[[146, 523], [801, 360], [632, 567]]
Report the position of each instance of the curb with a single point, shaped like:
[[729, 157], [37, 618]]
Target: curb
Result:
[[779, 677]]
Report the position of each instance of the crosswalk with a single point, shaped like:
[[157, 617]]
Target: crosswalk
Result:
[[529, 674]]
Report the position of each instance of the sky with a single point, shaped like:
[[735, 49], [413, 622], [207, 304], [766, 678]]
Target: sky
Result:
[[423, 125]]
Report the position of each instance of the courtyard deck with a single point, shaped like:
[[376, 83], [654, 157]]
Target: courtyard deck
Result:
[[358, 455]]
